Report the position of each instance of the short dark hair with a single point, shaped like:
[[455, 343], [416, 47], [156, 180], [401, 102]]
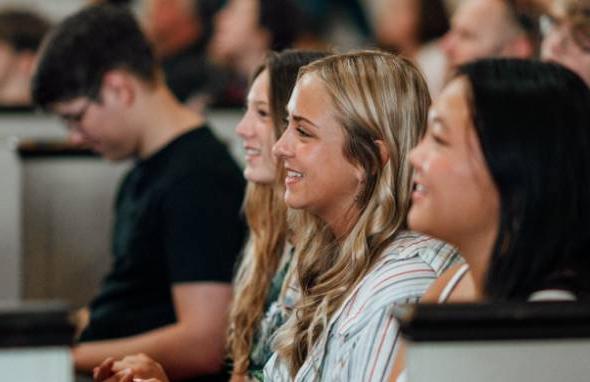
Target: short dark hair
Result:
[[206, 11], [86, 45], [433, 20], [22, 29], [533, 123], [525, 15], [282, 19]]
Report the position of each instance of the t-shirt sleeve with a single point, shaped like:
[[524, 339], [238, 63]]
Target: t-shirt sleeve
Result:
[[203, 228]]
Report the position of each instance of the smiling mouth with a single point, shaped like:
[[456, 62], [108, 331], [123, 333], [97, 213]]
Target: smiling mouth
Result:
[[252, 152], [418, 191], [293, 177]]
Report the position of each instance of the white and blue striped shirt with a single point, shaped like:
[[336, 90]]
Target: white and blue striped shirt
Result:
[[361, 338]]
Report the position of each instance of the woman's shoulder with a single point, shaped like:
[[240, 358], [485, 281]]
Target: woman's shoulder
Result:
[[401, 275], [408, 244], [435, 290]]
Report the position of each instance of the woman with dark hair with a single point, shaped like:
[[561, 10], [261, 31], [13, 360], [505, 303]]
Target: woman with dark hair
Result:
[[503, 173]]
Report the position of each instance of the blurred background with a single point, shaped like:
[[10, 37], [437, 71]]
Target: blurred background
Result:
[[56, 200]]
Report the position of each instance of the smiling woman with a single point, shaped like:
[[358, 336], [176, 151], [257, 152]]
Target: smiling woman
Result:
[[503, 173], [353, 119], [260, 303], [315, 137]]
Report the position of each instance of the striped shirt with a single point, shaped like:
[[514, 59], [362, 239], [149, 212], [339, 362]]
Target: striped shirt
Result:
[[361, 338]]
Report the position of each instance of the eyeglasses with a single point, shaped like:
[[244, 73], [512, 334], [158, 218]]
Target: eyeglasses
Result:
[[575, 33], [74, 119]]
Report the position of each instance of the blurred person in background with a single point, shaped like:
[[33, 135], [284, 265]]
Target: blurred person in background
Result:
[[244, 31], [491, 28], [21, 33], [413, 28], [180, 31], [177, 229], [566, 35]]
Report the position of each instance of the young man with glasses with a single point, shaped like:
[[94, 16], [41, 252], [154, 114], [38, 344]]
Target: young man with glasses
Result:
[[177, 228], [566, 35]]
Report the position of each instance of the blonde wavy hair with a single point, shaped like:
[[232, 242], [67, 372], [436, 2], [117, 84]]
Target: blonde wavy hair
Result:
[[266, 214], [375, 96]]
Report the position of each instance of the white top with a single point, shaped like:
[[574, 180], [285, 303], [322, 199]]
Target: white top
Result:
[[452, 284]]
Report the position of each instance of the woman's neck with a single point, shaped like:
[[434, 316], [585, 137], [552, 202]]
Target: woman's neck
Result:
[[342, 222], [477, 252]]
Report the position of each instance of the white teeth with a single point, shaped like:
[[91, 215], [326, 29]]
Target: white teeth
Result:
[[294, 174], [251, 151], [420, 188]]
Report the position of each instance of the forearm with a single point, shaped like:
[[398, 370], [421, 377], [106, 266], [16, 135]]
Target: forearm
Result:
[[182, 350]]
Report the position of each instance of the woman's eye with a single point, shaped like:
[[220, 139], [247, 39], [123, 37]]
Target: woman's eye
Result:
[[302, 132], [438, 139], [262, 113]]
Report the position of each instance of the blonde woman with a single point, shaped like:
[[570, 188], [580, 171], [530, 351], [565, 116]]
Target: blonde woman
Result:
[[260, 304], [353, 119]]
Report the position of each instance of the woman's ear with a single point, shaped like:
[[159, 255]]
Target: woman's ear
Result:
[[383, 151]]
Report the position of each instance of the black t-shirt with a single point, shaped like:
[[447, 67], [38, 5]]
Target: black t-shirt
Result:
[[177, 220]]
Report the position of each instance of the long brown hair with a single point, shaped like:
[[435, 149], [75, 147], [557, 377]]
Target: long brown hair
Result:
[[375, 96], [266, 214]]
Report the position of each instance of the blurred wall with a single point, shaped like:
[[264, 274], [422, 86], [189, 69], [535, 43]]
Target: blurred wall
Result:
[[54, 9]]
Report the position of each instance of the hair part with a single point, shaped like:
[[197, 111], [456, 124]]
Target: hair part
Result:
[[375, 96]]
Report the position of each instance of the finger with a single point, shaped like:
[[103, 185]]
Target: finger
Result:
[[125, 363], [127, 378], [122, 376], [104, 370]]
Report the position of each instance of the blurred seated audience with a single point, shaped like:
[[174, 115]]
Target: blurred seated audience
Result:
[[566, 35], [503, 173], [21, 33], [491, 28], [180, 31], [413, 28], [244, 30]]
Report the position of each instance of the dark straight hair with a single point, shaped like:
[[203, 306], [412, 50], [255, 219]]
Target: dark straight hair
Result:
[[533, 123]]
